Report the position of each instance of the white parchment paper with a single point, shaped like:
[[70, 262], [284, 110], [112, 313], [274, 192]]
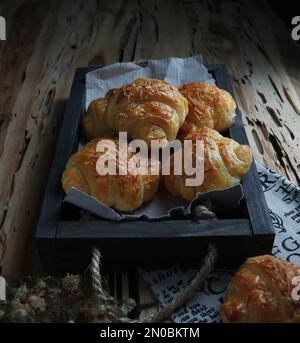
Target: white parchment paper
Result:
[[177, 71]]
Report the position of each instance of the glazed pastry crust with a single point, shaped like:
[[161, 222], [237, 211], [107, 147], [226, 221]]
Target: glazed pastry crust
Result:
[[93, 124], [147, 109], [121, 192], [260, 292], [209, 106], [225, 162]]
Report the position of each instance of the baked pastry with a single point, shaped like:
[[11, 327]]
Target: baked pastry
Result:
[[225, 162], [93, 124], [261, 292], [209, 106], [122, 192], [147, 109]]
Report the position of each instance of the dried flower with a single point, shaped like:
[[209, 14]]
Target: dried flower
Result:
[[20, 313], [20, 293], [71, 282], [41, 284], [54, 292], [65, 300], [101, 309], [2, 314], [37, 303], [130, 304]]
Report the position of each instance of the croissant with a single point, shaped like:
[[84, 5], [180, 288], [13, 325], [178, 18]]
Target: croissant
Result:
[[93, 124], [225, 162], [209, 106], [262, 292], [121, 192], [146, 109]]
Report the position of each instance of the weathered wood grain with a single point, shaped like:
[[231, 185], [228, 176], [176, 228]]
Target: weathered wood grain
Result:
[[47, 40]]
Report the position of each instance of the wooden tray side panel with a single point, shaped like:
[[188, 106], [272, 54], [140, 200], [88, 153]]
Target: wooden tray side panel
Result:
[[68, 138], [255, 199]]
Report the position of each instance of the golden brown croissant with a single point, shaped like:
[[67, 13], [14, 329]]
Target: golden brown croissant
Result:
[[146, 109], [261, 292], [93, 124], [209, 106], [122, 192], [225, 162]]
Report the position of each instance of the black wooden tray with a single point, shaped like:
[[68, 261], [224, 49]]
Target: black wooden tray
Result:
[[65, 240]]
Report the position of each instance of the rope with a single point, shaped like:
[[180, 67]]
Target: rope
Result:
[[96, 276], [199, 212], [187, 293], [203, 212], [165, 311]]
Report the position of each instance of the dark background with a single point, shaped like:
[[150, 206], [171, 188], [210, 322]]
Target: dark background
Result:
[[286, 10]]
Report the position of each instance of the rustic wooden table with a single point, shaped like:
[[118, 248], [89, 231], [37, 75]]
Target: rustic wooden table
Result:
[[48, 40]]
